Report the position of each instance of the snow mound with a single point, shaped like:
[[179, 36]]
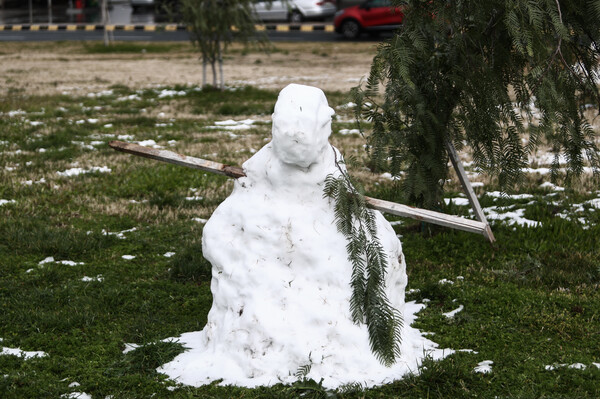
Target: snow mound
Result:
[[281, 277]]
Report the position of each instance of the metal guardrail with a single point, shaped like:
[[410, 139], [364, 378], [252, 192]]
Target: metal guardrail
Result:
[[153, 28]]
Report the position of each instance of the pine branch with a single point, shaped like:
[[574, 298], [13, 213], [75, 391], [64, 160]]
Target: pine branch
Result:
[[368, 303]]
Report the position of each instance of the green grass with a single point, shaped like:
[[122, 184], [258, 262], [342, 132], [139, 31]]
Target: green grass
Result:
[[530, 302]]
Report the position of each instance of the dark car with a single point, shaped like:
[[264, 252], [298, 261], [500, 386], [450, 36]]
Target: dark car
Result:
[[372, 16]]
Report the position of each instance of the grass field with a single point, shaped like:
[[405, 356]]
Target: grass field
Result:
[[100, 250]]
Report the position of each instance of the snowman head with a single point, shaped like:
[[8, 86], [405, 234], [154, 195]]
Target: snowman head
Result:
[[301, 125]]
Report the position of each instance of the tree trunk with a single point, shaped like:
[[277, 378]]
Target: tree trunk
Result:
[[222, 83], [204, 62], [214, 71]]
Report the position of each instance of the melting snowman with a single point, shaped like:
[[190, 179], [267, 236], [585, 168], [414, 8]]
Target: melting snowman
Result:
[[280, 270]]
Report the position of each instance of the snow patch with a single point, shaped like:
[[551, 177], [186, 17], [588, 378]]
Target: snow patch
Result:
[[79, 171], [170, 93], [484, 367], [21, 353], [510, 217], [76, 395], [452, 313], [4, 202], [149, 143], [128, 257], [346, 132], [456, 201], [87, 279], [120, 234]]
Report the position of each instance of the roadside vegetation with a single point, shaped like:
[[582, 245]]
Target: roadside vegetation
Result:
[[100, 255]]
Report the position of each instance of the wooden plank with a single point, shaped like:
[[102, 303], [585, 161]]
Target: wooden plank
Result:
[[178, 159], [468, 188], [424, 215], [393, 208]]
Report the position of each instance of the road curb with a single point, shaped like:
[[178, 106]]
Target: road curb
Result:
[[153, 28]]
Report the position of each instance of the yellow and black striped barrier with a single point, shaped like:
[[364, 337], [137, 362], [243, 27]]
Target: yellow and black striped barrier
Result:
[[154, 28]]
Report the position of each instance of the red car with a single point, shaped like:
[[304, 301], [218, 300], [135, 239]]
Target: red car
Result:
[[371, 16]]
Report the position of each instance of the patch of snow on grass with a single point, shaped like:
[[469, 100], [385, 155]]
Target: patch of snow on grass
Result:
[[132, 97], [130, 347], [128, 257], [346, 132], [170, 93], [467, 351], [4, 202], [499, 194], [200, 220], [21, 353], [125, 137], [168, 254], [100, 94], [452, 313], [149, 143], [120, 234], [551, 186], [76, 395], [445, 281], [47, 260], [87, 279], [457, 201], [79, 171], [511, 217], [349, 105], [574, 366], [484, 367]]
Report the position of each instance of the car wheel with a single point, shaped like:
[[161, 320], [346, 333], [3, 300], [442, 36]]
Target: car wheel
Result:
[[296, 17], [350, 29]]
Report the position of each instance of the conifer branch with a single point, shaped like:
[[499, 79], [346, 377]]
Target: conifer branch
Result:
[[368, 303]]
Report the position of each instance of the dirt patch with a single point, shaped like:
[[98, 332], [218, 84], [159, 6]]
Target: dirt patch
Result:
[[68, 68]]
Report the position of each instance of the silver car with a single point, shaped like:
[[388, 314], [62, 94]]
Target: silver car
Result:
[[294, 10]]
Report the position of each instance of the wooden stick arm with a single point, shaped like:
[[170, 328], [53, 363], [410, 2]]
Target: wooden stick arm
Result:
[[424, 215], [178, 159], [393, 208]]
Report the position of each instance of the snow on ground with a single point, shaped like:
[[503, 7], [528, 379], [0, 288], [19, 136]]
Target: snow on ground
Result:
[[50, 259], [509, 217], [346, 132], [128, 257], [456, 201], [575, 366], [452, 313], [87, 279], [230, 124], [170, 93], [4, 202], [120, 234], [5, 351], [78, 171], [484, 367], [76, 395], [149, 143], [499, 194]]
